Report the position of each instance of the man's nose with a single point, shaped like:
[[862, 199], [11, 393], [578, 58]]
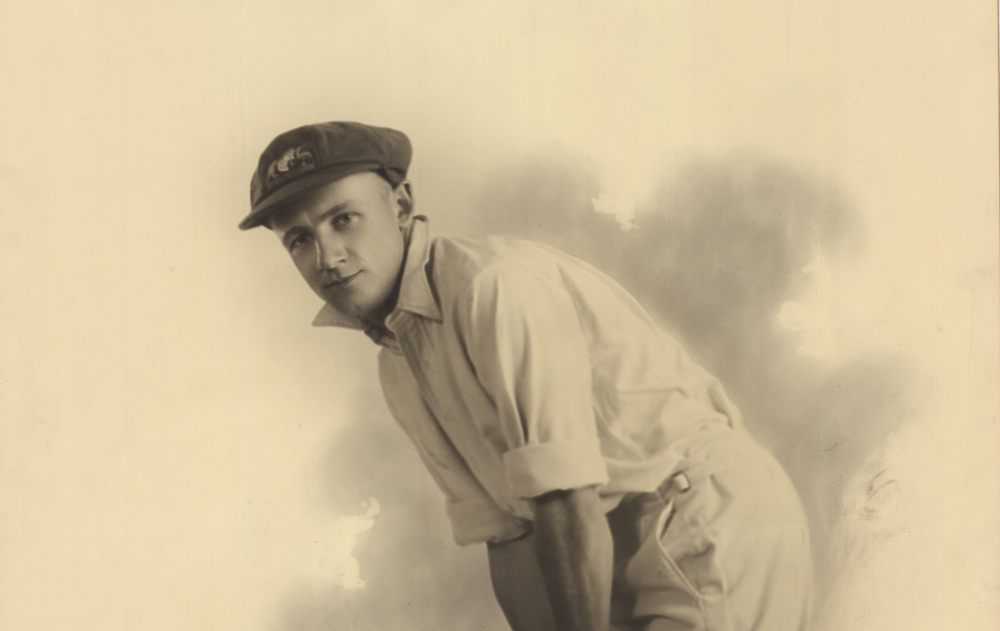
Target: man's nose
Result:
[[330, 252]]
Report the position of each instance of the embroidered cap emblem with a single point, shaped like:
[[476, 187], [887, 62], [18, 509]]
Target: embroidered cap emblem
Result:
[[292, 163]]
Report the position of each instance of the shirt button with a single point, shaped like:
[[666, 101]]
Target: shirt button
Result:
[[422, 364]]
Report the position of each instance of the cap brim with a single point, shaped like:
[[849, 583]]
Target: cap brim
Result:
[[286, 194]]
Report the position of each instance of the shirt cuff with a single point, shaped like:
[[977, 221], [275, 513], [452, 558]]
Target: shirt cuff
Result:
[[533, 470], [478, 520]]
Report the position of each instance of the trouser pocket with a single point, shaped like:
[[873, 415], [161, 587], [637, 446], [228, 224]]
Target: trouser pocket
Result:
[[660, 586]]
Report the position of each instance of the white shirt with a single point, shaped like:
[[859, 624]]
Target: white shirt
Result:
[[517, 370]]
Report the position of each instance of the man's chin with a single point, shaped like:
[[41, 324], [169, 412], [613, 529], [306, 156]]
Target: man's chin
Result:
[[352, 309], [367, 310]]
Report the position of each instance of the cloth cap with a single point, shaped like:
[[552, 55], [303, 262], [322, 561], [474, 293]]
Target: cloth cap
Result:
[[308, 157]]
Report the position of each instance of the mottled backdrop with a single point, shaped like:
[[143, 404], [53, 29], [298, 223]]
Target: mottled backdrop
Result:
[[805, 193]]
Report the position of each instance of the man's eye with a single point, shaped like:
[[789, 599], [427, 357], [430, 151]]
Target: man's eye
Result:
[[297, 241], [343, 220]]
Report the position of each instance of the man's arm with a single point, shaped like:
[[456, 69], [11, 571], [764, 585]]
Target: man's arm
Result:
[[559, 576], [531, 356], [518, 584], [574, 548]]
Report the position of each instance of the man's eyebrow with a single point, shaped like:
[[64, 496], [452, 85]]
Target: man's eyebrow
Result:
[[336, 209]]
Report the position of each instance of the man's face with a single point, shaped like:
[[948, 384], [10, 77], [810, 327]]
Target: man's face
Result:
[[347, 240]]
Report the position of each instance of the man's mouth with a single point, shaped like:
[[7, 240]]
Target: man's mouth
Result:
[[342, 281]]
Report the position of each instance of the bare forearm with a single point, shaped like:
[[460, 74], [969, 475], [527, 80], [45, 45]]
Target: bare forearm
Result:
[[574, 549], [518, 585]]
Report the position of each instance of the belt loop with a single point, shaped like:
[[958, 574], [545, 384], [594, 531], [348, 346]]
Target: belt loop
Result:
[[674, 485]]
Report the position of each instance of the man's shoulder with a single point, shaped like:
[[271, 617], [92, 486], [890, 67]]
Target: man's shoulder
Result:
[[463, 270], [458, 261]]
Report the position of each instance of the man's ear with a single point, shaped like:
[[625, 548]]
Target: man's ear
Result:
[[403, 203]]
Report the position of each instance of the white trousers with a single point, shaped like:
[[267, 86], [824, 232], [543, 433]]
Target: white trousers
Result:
[[722, 546]]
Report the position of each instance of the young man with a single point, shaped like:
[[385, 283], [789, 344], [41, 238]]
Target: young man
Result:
[[608, 475]]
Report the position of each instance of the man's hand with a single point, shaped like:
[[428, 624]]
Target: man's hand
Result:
[[574, 549]]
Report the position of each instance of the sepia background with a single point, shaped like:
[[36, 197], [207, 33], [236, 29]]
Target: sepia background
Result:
[[806, 193]]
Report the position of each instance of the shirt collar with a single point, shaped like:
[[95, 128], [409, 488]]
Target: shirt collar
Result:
[[415, 293]]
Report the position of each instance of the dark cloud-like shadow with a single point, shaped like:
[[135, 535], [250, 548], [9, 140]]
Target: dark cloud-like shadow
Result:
[[715, 252]]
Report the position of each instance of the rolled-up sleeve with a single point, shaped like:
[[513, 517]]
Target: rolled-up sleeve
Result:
[[527, 346], [477, 519]]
